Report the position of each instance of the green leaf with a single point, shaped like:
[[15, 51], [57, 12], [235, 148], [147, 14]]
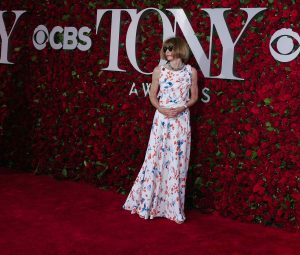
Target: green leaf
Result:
[[59, 37], [283, 165], [218, 189], [292, 218], [101, 119], [100, 174], [235, 102], [213, 132], [92, 5], [99, 163], [259, 18], [253, 206], [208, 184], [232, 154], [121, 2], [287, 68], [66, 17], [160, 6], [268, 124], [33, 58], [258, 219], [101, 61], [212, 163], [219, 154], [267, 101], [65, 172], [244, 1], [211, 122], [254, 155], [237, 108], [286, 112], [123, 192], [199, 182]]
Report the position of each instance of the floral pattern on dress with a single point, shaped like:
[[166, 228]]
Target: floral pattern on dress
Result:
[[159, 189]]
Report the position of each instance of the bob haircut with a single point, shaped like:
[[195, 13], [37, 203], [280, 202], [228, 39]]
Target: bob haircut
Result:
[[181, 49]]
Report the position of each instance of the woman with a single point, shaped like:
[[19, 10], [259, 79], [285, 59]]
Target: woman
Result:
[[159, 189]]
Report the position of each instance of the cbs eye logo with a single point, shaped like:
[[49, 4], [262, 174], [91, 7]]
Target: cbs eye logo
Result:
[[68, 38], [284, 41]]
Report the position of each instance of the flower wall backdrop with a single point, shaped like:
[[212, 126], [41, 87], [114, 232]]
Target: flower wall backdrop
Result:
[[61, 114]]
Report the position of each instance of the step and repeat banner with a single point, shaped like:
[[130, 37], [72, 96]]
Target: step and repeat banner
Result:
[[75, 80]]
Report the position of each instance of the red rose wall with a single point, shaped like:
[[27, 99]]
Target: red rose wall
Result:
[[61, 114]]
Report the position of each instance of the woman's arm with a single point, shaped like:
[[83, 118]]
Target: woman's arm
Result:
[[194, 89], [154, 87]]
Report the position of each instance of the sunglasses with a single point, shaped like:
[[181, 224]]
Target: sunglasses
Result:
[[170, 48]]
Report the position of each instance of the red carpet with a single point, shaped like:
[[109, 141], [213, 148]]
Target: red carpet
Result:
[[40, 215]]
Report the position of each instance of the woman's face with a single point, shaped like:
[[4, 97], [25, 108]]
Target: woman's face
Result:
[[169, 52]]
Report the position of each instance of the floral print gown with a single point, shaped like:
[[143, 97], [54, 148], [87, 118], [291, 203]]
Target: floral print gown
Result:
[[159, 189]]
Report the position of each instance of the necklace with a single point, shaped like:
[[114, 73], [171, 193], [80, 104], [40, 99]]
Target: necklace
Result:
[[175, 68]]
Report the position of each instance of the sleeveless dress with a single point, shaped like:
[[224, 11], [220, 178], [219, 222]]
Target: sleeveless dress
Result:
[[159, 189]]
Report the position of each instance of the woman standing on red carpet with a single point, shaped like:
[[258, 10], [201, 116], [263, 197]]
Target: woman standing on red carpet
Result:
[[159, 189]]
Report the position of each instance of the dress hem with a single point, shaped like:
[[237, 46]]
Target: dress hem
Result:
[[151, 217]]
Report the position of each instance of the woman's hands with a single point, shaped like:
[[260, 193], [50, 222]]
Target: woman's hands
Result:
[[171, 112]]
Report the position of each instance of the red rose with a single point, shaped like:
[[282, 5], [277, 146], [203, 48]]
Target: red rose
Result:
[[258, 188]]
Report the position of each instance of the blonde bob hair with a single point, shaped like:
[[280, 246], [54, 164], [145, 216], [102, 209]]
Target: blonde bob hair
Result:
[[180, 49]]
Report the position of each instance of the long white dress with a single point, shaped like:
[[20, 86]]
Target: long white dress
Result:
[[159, 189]]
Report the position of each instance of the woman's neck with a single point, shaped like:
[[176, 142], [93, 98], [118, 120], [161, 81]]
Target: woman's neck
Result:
[[176, 63]]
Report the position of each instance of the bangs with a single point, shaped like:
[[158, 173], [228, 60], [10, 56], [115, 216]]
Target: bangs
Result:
[[168, 43]]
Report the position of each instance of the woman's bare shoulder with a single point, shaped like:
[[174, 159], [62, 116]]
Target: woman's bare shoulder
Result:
[[156, 70], [194, 70]]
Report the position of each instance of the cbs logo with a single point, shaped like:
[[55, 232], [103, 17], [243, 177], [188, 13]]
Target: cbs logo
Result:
[[284, 42], [67, 38]]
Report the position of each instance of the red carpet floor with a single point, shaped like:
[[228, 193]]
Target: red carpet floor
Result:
[[40, 215]]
